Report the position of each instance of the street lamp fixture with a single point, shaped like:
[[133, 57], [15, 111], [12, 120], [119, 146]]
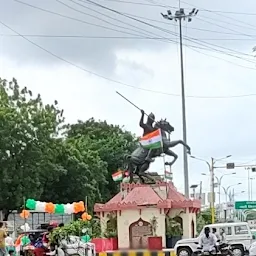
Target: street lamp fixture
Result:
[[194, 189], [227, 189]]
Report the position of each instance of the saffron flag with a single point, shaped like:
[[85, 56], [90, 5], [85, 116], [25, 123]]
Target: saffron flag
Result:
[[117, 176], [152, 140]]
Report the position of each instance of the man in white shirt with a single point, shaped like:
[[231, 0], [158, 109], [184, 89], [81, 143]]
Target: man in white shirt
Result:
[[214, 231], [207, 241], [9, 241], [223, 236]]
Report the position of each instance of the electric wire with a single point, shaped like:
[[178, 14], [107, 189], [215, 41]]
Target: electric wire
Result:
[[98, 18], [99, 75], [115, 81], [225, 16], [121, 37], [204, 10], [189, 39], [74, 19], [217, 20], [164, 29], [145, 23]]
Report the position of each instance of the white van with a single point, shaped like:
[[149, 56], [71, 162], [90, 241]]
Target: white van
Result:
[[238, 235]]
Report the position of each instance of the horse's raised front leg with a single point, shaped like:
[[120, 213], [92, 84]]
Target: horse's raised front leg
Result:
[[174, 143], [171, 153]]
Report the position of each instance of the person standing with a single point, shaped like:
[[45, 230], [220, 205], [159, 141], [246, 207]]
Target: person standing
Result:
[[3, 235], [214, 231], [223, 236], [9, 243]]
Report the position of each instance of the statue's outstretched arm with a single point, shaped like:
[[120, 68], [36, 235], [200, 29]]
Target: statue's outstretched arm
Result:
[[142, 125]]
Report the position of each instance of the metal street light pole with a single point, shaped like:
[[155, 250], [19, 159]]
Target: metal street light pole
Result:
[[179, 16], [252, 178], [219, 185], [226, 193], [226, 189], [193, 187], [211, 169]]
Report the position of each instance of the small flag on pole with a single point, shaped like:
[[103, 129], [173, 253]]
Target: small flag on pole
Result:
[[152, 140], [117, 176], [168, 175]]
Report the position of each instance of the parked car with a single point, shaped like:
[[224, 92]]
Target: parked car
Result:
[[238, 235]]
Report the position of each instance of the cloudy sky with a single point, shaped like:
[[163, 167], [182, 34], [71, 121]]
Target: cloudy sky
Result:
[[81, 53]]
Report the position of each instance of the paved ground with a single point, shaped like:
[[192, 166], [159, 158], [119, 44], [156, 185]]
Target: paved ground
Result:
[[164, 252]]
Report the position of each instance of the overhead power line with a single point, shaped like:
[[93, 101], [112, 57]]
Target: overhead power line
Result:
[[137, 20], [102, 14], [74, 19], [156, 27], [170, 32], [121, 37], [222, 20], [165, 38], [168, 6], [115, 81], [137, 3]]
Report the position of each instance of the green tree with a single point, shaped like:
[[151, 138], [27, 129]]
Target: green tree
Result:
[[28, 144], [110, 142], [204, 218], [85, 174]]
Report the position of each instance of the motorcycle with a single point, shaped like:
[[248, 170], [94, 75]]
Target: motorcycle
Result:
[[225, 249], [220, 249]]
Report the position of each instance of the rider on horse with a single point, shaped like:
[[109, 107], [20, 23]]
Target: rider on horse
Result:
[[148, 128]]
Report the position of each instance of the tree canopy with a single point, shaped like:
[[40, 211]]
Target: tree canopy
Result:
[[43, 157]]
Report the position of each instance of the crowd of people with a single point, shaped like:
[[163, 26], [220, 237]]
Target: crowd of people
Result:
[[211, 241], [9, 248]]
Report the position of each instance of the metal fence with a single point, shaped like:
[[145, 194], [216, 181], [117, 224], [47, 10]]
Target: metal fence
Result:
[[35, 219]]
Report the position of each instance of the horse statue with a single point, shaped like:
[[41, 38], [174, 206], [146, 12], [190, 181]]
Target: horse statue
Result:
[[137, 162]]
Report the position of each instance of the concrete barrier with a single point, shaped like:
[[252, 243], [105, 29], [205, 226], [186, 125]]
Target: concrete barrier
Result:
[[139, 253]]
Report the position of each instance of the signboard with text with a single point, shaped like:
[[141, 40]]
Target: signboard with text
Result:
[[228, 206], [243, 205]]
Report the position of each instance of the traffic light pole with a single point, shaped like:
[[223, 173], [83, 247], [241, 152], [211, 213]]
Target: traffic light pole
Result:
[[248, 168]]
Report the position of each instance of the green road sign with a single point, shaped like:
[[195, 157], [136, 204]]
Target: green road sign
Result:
[[243, 205]]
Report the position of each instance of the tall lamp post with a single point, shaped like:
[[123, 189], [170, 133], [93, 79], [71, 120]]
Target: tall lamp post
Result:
[[252, 178], [227, 189], [179, 16], [226, 194], [193, 187], [219, 179], [211, 170]]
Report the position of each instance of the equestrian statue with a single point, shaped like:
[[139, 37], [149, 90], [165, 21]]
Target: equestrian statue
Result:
[[139, 160]]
